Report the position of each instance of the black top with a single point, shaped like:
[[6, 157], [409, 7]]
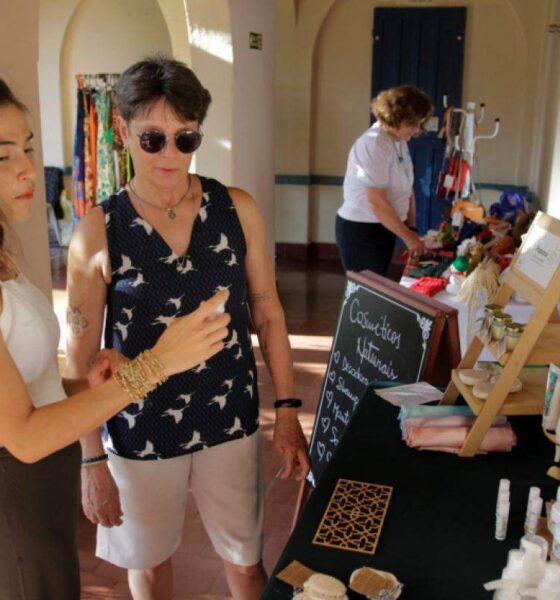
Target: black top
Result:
[[217, 401]]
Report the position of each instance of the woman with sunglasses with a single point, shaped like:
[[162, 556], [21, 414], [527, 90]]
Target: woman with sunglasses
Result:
[[39, 426], [378, 197], [149, 253]]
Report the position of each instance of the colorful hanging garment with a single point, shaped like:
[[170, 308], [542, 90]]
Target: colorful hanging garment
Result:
[[119, 152], [106, 184], [89, 173], [78, 197]]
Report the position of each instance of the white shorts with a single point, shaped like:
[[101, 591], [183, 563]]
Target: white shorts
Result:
[[226, 483]]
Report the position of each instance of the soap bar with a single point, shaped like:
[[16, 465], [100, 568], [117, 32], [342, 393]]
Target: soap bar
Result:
[[517, 386], [324, 587], [473, 376], [483, 389]]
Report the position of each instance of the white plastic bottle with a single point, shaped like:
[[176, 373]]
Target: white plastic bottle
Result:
[[556, 542], [554, 517], [512, 577], [549, 587], [538, 540], [533, 564], [534, 492], [534, 515]]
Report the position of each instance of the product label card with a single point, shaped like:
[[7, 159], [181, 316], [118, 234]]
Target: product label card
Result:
[[540, 256]]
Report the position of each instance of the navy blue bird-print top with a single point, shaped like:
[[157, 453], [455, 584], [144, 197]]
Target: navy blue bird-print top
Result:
[[217, 401]]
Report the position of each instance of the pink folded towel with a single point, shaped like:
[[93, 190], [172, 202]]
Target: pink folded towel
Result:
[[447, 421], [450, 439]]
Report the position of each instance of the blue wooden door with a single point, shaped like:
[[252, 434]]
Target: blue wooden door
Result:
[[422, 47]]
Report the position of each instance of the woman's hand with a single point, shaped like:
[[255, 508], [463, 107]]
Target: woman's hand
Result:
[[105, 363], [100, 496], [194, 338], [414, 244], [291, 445]]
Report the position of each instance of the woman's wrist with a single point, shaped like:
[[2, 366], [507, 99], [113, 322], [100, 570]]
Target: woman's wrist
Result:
[[289, 403], [141, 376]]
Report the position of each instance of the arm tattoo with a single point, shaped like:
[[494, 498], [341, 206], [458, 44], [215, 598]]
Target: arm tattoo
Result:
[[76, 320], [261, 297]]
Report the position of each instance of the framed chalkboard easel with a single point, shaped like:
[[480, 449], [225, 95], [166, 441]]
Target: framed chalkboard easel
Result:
[[385, 332]]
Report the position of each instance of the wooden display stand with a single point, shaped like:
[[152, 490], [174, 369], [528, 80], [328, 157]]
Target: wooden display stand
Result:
[[535, 275]]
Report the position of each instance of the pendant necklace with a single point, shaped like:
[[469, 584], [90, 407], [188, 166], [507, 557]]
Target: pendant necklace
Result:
[[169, 209], [400, 155]]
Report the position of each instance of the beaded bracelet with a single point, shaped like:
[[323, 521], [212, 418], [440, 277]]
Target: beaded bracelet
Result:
[[134, 377], [94, 460]]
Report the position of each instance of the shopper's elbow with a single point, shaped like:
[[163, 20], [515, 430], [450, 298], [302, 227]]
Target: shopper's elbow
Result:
[[24, 450]]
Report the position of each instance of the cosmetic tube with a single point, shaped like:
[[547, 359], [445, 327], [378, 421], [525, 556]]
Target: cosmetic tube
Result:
[[502, 516], [533, 564], [557, 440], [551, 410], [504, 486], [503, 496], [535, 511], [511, 577], [534, 492], [537, 540], [554, 520], [556, 543], [549, 587]]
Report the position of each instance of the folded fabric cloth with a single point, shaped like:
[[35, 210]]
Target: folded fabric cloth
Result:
[[446, 421], [433, 410], [450, 439], [429, 286], [428, 268]]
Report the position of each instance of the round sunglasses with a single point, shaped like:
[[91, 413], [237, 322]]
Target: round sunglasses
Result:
[[153, 141]]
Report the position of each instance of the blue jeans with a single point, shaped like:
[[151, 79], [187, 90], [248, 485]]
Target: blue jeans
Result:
[[364, 245]]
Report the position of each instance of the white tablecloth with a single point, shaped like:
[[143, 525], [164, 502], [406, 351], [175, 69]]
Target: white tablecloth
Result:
[[520, 312]]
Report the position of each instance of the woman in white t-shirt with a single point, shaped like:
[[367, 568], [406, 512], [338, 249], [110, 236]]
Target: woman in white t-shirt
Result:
[[39, 426], [378, 191]]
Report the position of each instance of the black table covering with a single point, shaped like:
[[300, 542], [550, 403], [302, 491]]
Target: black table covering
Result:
[[438, 536]]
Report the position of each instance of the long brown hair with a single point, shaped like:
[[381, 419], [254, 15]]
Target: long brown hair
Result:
[[7, 267]]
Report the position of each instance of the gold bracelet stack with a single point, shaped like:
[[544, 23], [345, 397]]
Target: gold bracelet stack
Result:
[[134, 377]]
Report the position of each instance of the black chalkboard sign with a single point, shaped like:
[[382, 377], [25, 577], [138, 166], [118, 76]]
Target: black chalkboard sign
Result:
[[384, 333]]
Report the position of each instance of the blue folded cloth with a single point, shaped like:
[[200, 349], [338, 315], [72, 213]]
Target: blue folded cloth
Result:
[[430, 410]]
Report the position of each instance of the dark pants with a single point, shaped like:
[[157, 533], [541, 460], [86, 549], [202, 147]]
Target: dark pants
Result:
[[364, 246], [38, 527]]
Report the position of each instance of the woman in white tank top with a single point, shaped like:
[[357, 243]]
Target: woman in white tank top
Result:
[[39, 425]]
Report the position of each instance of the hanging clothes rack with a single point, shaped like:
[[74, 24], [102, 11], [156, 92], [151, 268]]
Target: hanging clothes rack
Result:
[[100, 164], [456, 182]]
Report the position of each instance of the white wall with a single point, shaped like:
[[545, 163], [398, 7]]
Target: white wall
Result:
[[502, 67], [211, 48], [297, 25], [18, 66], [104, 36], [548, 179], [253, 103]]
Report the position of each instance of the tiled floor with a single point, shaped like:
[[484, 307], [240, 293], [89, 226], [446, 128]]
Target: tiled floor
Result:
[[310, 296]]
